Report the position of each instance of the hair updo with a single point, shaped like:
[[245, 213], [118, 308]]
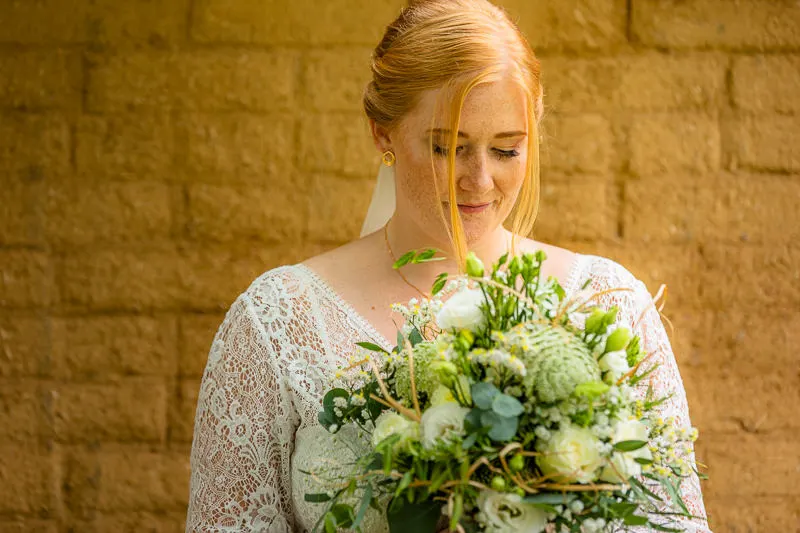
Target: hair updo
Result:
[[456, 45]]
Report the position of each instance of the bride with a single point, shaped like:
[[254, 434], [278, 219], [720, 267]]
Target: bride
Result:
[[454, 107]]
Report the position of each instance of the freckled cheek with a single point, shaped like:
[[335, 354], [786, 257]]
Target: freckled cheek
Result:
[[509, 179], [416, 177]]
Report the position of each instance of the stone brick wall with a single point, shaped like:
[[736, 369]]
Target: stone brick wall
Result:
[[155, 157]]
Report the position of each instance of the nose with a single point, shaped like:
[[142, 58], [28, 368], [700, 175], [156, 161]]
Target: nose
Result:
[[477, 175]]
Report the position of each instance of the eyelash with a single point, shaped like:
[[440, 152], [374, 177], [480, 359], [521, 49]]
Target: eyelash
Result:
[[502, 154]]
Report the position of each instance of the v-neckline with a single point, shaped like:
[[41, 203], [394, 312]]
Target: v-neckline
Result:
[[367, 326]]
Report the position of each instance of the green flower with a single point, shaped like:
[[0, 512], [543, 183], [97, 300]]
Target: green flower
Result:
[[426, 380], [556, 361]]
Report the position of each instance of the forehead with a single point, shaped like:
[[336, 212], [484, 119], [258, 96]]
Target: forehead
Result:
[[489, 108]]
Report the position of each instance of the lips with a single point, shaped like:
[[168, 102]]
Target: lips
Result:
[[473, 208]]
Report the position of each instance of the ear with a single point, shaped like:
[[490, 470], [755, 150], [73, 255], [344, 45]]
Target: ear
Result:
[[380, 136]]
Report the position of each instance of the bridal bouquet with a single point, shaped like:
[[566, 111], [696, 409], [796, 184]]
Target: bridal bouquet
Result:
[[495, 413]]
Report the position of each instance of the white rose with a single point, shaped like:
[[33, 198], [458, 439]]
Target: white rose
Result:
[[440, 421], [572, 455], [462, 310], [623, 464], [390, 423], [505, 512], [615, 363]]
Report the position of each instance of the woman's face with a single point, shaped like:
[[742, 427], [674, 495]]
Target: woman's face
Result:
[[490, 160]]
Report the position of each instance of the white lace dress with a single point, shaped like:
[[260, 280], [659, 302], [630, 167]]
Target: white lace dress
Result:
[[273, 357]]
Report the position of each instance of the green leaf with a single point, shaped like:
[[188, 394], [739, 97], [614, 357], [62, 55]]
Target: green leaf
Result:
[[469, 441], [327, 401], [404, 259], [362, 509], [635, 520], [483, 394], [472, 421], [438, 285], [317, 497], [552, 498], [404, 483], [415, 337], [370, 346], [506, 406], [638, 484], [672, 490], [420, 517], [330, 523], [326, 419], [502, 428], [623, 508], [629, 445], [546, 507], [438, 479], [424, 256], [343, 514], [659, 527], [643, 461]]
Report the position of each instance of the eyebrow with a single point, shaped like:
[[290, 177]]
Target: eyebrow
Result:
[[502, 135]]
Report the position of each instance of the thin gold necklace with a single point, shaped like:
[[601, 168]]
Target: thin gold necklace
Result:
[[388, 247]]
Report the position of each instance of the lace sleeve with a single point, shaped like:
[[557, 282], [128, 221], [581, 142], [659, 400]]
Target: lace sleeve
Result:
[[637, 310], [666, 381], [242, 444]]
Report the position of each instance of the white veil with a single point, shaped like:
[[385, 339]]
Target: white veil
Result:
[[381, 207]]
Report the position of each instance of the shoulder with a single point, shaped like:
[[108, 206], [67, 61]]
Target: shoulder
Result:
[[602, 270], [275, 297], [624, 289], [607, 270]]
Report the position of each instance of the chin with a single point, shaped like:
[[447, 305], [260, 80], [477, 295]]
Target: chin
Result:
[[477, 226]]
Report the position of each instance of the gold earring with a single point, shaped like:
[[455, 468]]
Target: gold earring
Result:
[[389, 158]]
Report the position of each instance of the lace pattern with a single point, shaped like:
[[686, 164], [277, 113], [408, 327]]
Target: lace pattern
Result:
[[276, 352]]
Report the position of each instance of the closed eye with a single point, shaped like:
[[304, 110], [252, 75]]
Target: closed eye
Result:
[[506, 154], [441, 150]]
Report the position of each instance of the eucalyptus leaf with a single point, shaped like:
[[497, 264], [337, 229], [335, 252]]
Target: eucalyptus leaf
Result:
[[483, 394], [469, 441], [415, 337], [502, 428], [326, 419], [472, 421], [327, 401], [507, 406]]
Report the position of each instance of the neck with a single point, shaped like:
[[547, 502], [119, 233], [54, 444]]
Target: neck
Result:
[[404, 235]]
